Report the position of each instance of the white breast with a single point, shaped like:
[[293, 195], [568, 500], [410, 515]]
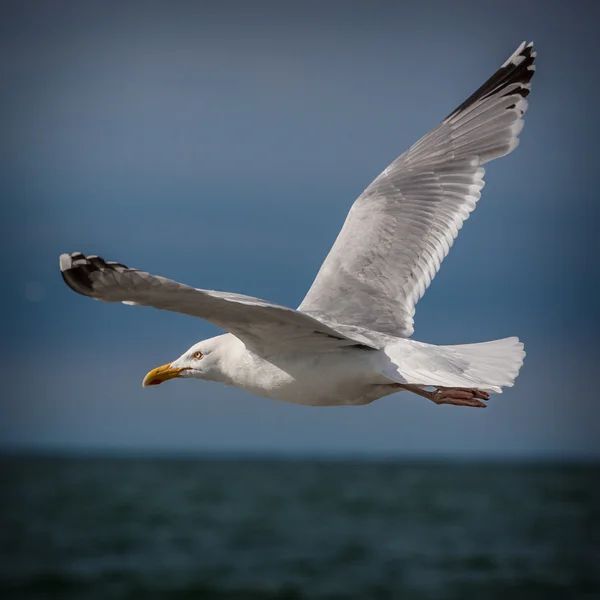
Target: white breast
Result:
[[346, 377]]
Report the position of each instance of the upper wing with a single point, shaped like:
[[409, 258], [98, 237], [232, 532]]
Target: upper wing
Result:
[[264, 327], [401, 228]]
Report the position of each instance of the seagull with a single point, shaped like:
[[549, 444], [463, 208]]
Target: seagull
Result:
[[348, 343]]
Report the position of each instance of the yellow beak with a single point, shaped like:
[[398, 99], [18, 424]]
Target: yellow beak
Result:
[[161, 374]]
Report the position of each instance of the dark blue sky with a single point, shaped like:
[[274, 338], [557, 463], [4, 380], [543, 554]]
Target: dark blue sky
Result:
[[223, 147]]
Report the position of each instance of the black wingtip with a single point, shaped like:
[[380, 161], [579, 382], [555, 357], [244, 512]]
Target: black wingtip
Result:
[[519, 68], [77, 269]]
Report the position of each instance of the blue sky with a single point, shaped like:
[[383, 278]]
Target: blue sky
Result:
[[223, 147]]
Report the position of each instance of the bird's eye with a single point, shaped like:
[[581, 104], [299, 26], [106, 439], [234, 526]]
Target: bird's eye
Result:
[[197, 355]]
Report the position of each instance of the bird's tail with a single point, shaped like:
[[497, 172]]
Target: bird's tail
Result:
[[495, 364], [487, 366]]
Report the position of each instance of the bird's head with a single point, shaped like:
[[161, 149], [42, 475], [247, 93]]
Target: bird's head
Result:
[[201, 361]]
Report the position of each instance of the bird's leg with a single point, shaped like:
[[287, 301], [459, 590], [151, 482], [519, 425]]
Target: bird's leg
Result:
[[460, 397], [455, 396]]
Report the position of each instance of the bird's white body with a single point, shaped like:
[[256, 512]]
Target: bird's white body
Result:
[[347, 343], [350, 376]]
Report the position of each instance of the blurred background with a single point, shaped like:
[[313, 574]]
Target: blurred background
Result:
[[221, 145]]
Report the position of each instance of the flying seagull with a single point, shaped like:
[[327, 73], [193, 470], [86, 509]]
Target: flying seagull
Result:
[[348, 341]]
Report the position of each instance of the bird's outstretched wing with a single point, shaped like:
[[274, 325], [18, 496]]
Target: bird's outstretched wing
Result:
[[264, 327], [401, 228]]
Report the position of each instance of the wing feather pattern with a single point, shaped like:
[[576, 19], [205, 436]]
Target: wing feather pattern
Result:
[[401, 228], [264, 327]]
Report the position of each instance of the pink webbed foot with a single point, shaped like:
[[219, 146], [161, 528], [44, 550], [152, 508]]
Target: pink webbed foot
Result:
[[460, 397]]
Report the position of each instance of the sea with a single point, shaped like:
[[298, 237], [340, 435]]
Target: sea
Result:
[[295, 529]]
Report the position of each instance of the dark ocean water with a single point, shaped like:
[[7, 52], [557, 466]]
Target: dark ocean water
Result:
[[229, 529]]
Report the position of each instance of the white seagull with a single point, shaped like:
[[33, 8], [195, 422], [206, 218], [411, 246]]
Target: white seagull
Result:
[[348, 342]]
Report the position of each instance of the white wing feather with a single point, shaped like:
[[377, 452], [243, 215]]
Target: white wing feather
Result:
[[401, 228], [264, 327]]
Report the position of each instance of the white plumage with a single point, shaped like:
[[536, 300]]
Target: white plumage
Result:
[[347, 342]]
